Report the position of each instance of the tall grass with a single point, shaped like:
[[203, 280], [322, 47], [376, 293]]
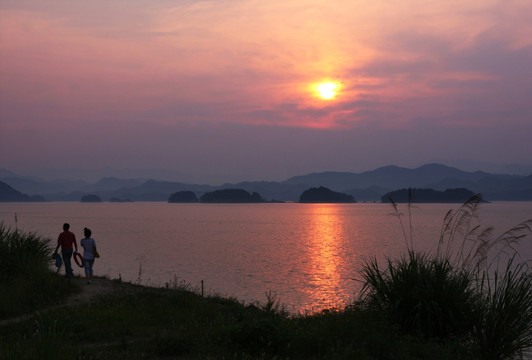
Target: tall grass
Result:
[[470, 288], [21, 253], [425, 296], [26, 281], [505, 327]]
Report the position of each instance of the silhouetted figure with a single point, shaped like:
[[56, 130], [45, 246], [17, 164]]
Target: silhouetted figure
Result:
[[67, 242], [89, 252]]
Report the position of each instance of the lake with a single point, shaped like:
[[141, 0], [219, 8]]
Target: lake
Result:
[[307, 255]]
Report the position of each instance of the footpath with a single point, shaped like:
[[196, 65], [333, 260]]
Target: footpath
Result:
[[99, 286]]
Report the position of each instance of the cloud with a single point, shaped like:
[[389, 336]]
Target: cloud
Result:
[[172, 76]]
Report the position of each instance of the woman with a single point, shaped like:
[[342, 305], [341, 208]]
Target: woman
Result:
[[89, 249]]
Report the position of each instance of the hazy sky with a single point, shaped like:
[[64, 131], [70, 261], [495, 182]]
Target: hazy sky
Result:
[[225, 90]]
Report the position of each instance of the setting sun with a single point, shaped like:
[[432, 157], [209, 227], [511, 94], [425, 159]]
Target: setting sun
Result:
[[326, 90]]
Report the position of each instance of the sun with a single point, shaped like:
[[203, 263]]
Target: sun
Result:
[[327, 90]]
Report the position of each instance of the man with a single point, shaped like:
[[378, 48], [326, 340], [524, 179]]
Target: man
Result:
[[67, 241]]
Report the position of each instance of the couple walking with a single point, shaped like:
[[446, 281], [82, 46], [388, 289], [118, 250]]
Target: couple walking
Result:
[[69, 247]]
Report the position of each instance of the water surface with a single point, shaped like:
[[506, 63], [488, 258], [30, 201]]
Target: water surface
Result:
[[306, 254]]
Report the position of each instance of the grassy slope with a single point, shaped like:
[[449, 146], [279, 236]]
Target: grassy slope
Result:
[[137, 322]]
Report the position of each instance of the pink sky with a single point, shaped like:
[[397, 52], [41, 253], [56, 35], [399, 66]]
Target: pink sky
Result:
[[215, 91]]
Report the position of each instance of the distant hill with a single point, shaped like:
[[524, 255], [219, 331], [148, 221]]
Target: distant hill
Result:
[[35, 186], [9, 194], [112, 183], [365, 186], [439, 177], [390, 177]]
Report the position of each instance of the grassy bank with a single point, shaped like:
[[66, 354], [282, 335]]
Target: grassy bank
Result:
[[450, 304], [137, 322]]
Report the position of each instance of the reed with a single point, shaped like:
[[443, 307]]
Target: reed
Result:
[[22, 253], [425, 296], [504, 330], [26, 282], [459, 291]]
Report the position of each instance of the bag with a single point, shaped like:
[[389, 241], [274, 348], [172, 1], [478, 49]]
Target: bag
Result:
[[96, 255], [58, 260]]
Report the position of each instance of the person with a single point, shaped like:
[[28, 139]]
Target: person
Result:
[[67, 242], [89, 250]]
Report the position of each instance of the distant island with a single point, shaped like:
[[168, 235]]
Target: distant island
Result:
[[458, 195], [91, 198], [368, 186], [183, 197], [324, 195], [231, 196], [119, 200]]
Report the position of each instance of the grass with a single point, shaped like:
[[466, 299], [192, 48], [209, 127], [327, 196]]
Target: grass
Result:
[[137, 322], [459, 291], [26, 283], [505, 330], [453, 303], [425, 296]]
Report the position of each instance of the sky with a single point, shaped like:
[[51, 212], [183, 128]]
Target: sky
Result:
[[227, 90]]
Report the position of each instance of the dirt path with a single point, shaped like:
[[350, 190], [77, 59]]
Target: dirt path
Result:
[[88, 292], [98, 287]]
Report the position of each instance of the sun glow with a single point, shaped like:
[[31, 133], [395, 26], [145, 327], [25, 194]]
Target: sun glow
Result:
[[327, 90]]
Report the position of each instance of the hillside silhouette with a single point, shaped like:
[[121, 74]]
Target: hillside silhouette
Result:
[[365, 186]]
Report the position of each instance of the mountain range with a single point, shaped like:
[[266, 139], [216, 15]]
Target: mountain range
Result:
[[364, 186]]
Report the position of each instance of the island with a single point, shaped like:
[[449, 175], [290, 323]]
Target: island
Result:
[[324, 195], [231, 196], [183, 197], [119, 200], [90, 198], [458, 195]]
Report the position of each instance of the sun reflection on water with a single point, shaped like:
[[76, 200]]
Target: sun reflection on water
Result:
[[325, 243]]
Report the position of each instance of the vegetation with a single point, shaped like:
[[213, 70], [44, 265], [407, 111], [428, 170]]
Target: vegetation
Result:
[[453, 303], [460, 291], [26, 283], [324, 195]]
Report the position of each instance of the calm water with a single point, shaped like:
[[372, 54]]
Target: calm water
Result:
[[306, 254]]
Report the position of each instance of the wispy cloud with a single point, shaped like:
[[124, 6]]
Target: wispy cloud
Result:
[[400, 65]]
